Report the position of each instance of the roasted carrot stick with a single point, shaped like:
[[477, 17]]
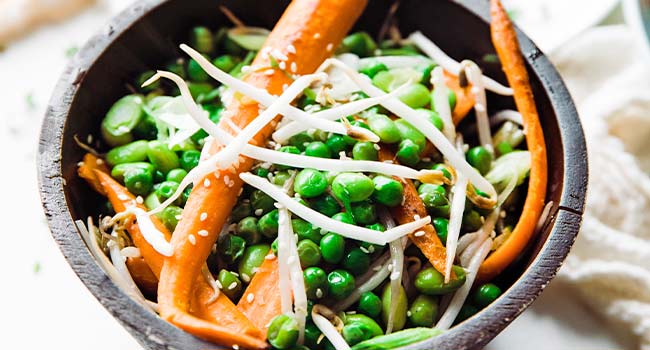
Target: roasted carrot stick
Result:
[[464, 99], [429, 243], [233, 327], [505, 41], [314, 29], [261, 299], [87, 168], [142, 275]]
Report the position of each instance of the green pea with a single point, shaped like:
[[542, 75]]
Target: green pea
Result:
[[360, 44], [312, 336], [443, 168], [399, 318], [356, 261], [466, 311], [318, 149], [301, 140], [198, 89], [423, 311], [325, 205], [503, 148], [310, 183], [364, 213], [415, 96], [262, 172], [441, 224], [305, 230], [138, 181], [451, 96], [408, 153], [241, 211], [178, 68], [280, 177], [202, 40], [247, 229], [196, 73], [433, 196], [231, 248], [332, 248], [132, 152], [120, 170], [372, 68], [409, 132], [358, 328], [170, 217], [225, 62], [480, 158], [166, 189], [388, 191], [283, 332], [161, 157], [384, 127], [360, 123], [486, 294], [287, 149], [252, 259], [176, 175], [353, 187], [369, 304], [340, 284], [268, 224], [120, 120], [398, 339], [315, 282], [471, 221], [190, 159], [365, 151], [309, 253], [431, 282], [231, 285], [432, 116], [344, 217], [260, 201]]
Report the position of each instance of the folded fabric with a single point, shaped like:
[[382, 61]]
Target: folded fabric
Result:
[[609, 266]]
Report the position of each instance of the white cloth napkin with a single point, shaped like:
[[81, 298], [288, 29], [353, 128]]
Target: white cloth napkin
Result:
[[609, 266]]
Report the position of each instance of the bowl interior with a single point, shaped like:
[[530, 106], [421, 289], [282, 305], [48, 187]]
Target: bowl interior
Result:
[[147, 36]]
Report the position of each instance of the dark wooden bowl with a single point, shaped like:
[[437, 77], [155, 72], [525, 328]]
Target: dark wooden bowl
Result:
[[147, 34]]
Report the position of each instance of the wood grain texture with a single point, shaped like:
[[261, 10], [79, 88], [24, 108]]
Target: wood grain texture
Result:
[[147, 34]]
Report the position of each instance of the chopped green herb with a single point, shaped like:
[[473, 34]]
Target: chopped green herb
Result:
[[71, 51]]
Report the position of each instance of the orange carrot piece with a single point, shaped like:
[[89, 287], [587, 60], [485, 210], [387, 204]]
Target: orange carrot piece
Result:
[[505, 42], [429, 243], [86, 171], [261, 297], [222, 311], [314, 28], [464, 98], [142, 275]]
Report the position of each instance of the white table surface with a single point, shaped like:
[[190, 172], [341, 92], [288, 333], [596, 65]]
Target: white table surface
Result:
[[44, 304]]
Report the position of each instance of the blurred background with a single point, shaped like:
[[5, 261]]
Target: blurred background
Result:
[[600, 300]]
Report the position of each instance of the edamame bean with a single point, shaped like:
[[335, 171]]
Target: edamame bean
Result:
[[247, 229], [202, 40], [283, 332], [388, 191], [431, 282], [370, 304], [161, 157], [309, 253], [398, 339], [353, 187], [130, 153], [365, 150], [310, 183], [231, 285], [409, 132], [356, 261], [138, 181], [176, 175], [318, 149], [480, 158], [120, 120], [268, 224], [252, 259], [486, 294], [120, 170], [340, 284], [415, 96], [399, 318], [358, 328], [332, 248], [384, 127], [423, 311], [280, 177], [315, 282]]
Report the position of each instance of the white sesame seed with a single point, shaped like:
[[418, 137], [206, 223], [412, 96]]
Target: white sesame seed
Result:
[[89, 138], [122, 197], [294, 67], [218, 284], [317, 35], [178, 217], [139, 200], [416, 217], [419, 234], [330, 46], [408, 313], [206, 183], [269, 72], [371, 249], [192, 239], [285, 86], [245, 69], [270, 257], [235, 347], [259, 212], [282, 65], [363, 249], [245, 277], [250, 297], [99, 161], [319, 293], [291, 49], [226, 179], [203, 233], [203, 216], [277, 54], [234, 273], [376, 146], [232, 286], [80, 164]]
